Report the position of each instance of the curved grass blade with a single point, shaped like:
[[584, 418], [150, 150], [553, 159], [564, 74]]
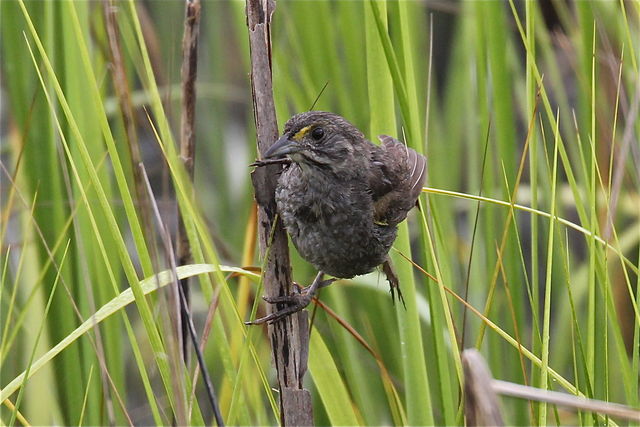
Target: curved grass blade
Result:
[[147, 286]]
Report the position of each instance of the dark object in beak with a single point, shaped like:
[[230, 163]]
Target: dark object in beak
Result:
[[282, 147], [267, 162]]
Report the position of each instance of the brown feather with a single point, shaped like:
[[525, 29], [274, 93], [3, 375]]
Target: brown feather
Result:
[[397, 176]]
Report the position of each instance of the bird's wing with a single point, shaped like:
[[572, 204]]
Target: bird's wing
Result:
[[396, 179]]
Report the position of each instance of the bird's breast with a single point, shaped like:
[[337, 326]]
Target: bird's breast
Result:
[[332, 224]]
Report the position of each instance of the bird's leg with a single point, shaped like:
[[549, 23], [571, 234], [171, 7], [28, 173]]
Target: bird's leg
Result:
[[295, 302], [300, 290], [392, 278]]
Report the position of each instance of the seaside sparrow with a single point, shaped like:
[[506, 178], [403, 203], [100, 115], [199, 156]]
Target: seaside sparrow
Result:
[[340, 199]]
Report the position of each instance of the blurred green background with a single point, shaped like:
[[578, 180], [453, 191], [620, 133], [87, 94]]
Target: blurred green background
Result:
[[530, 103]]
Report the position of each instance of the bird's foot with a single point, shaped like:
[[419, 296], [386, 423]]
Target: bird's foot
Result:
[[396, 288], [294, 302], [394, 282]]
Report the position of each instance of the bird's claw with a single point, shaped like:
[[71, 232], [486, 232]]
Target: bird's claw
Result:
[[392, 290], [294, 302], [394, 282]]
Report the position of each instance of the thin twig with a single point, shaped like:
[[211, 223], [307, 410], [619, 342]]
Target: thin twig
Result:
[[206, 331], [203, 369], [123, 96], [461, 344], [262, 163], [315, 101], [185, 308], [565, 399]]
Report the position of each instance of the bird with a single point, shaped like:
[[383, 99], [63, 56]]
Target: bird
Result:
[[340, 198]]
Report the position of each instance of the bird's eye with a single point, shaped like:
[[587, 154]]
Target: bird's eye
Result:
[[317, 133]]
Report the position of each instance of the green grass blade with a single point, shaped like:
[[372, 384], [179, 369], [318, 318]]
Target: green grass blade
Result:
[[329, 383], [147, 286]]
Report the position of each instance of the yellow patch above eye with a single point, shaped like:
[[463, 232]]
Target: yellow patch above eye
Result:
[[301, 133]]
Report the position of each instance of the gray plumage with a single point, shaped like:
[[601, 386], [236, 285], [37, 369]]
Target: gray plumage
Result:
[[342, 197]]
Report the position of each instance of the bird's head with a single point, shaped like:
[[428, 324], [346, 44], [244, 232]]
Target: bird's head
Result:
[[317, 138]]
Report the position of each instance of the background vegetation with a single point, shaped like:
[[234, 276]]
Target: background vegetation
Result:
[[534, 103]]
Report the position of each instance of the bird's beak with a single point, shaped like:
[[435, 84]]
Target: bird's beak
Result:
[[282, 147]]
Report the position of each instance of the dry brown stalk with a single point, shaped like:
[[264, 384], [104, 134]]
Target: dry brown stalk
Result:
[[289, 337]]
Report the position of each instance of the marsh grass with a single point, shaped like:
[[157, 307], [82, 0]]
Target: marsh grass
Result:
[[534, 245]]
